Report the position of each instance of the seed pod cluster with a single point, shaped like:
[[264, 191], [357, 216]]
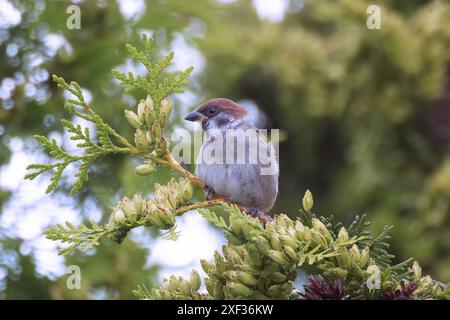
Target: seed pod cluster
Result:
[[287, 240], [161, 210], [124, 214], [243, 272], [128, 210], [261, 261], [350, 263], [149, 123], [160, 215], [175, 192], [177, 288]]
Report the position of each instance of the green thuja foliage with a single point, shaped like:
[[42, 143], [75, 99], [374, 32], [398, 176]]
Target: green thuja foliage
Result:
[[156, 86], [261, 260], [82, 237], [77, 107]]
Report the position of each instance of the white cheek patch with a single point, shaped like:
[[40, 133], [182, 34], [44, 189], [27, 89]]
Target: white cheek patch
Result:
[[220, 121]]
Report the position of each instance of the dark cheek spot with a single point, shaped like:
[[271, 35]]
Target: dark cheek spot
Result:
[[205, 125], [222, 121]]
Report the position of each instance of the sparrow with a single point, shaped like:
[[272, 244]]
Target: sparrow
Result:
[[243, 182]]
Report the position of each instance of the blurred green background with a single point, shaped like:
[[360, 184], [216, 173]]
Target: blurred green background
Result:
[[366, 115]]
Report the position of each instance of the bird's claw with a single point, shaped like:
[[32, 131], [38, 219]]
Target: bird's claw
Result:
[[209, 193], [256, 213]]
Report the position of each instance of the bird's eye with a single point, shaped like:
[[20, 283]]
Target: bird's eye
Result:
[[212, 110]]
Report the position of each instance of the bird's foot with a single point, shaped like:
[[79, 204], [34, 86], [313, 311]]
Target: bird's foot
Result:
[[210, 194], [256, 213]]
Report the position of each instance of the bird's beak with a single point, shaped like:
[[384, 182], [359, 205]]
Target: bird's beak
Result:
[[194, 116]]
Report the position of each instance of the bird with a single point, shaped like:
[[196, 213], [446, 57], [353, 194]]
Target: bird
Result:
[[252, 185]]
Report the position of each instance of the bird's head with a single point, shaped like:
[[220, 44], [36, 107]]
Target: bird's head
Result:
[[217, 113]]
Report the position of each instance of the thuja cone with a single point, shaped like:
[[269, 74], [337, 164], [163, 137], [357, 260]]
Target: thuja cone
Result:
[[317, 288]]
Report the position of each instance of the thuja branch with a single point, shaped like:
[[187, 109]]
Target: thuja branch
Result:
[[170, 200], [108, 142], [82, 237], [170, 161], [200, 205], [150, 144], [152, 117]]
